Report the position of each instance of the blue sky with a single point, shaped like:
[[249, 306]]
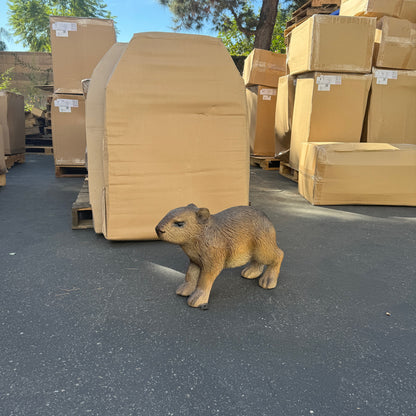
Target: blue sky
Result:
[[132, 16]]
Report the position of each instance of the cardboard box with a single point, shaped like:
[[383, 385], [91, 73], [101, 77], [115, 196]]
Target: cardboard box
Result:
[[332, 44], [68, 129], [263, 67], [12, 121], [77, 46], [395, 44], [391, 114], [328, 107], [261, 103], [178, 136], [358, 173], [371, 8], [3, 168], [408, 10], [284, 113], [95, 116]]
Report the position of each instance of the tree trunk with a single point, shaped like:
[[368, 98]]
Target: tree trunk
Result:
[[264, 32]]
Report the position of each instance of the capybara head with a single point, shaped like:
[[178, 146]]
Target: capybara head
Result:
[[181, 225]]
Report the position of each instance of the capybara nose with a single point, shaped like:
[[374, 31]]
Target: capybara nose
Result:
[[159, 231]]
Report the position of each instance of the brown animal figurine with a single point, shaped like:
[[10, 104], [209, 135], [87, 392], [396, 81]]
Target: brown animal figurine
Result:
[[231, 238]]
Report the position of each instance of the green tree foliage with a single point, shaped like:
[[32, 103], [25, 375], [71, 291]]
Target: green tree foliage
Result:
[[238, 43], [30, 18], [223, 15], [4, 34]]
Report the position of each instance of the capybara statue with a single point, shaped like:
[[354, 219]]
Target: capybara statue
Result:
[[231, 238]]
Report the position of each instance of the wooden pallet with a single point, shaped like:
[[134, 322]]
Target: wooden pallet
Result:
[[70, 171], [306, 13], [316, 3], [264, 162], [81, 209], [40, 150], [11, 160], [288, 172], [3, 180]]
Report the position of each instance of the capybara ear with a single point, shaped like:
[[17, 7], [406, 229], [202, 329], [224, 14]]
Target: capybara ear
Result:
[[192, 206], [203, 214]]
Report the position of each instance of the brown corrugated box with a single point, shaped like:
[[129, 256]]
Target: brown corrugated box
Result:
[[284, 113], [95, 114], [263, 67], [77, 46], [371, 8], [3, 168], [68, 129], [358, 173], [408, 10], [391, 114], [12, 122], [261, 103], [332, 44], [395, 44], [328, 107], [178, 136]]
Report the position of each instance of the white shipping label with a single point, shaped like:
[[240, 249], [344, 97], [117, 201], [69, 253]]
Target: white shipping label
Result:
[[65, 109], [267, 97], [383, 76], [268, 91], [63, 102], [325, 81], [61, 33], [64, 26]]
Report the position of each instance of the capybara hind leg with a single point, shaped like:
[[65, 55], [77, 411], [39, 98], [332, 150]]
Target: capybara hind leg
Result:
[[271, 274], [252, 270], [201, 294], [191, 280]]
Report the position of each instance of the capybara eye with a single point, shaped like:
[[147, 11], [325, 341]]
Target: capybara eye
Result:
[[179, 223]]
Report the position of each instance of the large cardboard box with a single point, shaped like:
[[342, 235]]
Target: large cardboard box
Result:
[[391, 114], [263, 67], [332, 44], [371, 8], [285, 102], [395, 44], [68, 129], [328, 108], [358, 173], [408, 10], [95, 117], [261, 103], [77, 46], [175, 132], [3, 168], [12, 122]]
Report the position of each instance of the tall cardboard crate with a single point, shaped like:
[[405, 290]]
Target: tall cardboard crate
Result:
[[77, 46], [175, 132], [3, 168], [12, 122]]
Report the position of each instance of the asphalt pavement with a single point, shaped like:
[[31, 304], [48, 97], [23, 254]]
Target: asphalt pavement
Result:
[[93, 327]]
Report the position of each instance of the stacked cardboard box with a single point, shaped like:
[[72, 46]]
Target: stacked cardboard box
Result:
[[3, 168], [77, 46], [12, 122], [166, 126], [331, 57], [262, 70], [376, 172]]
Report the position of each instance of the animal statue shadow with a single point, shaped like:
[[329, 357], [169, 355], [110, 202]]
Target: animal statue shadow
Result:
[[230, 238]]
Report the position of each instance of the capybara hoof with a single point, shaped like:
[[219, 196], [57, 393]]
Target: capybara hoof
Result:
[[185, 289], [268, 281], [204, 307], [198, 298], [252, 271]]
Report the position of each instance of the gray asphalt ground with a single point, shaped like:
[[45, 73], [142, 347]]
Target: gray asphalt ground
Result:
[[93, 327]]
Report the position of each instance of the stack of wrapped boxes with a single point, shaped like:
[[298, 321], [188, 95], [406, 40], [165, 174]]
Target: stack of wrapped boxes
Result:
[[77, 46], [262, 70], [353, 131], [166, 127]]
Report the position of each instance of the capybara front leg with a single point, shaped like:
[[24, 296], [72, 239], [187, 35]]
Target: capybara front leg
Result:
[[191, 280], [201, 294], [252, 270], [270, 276]]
